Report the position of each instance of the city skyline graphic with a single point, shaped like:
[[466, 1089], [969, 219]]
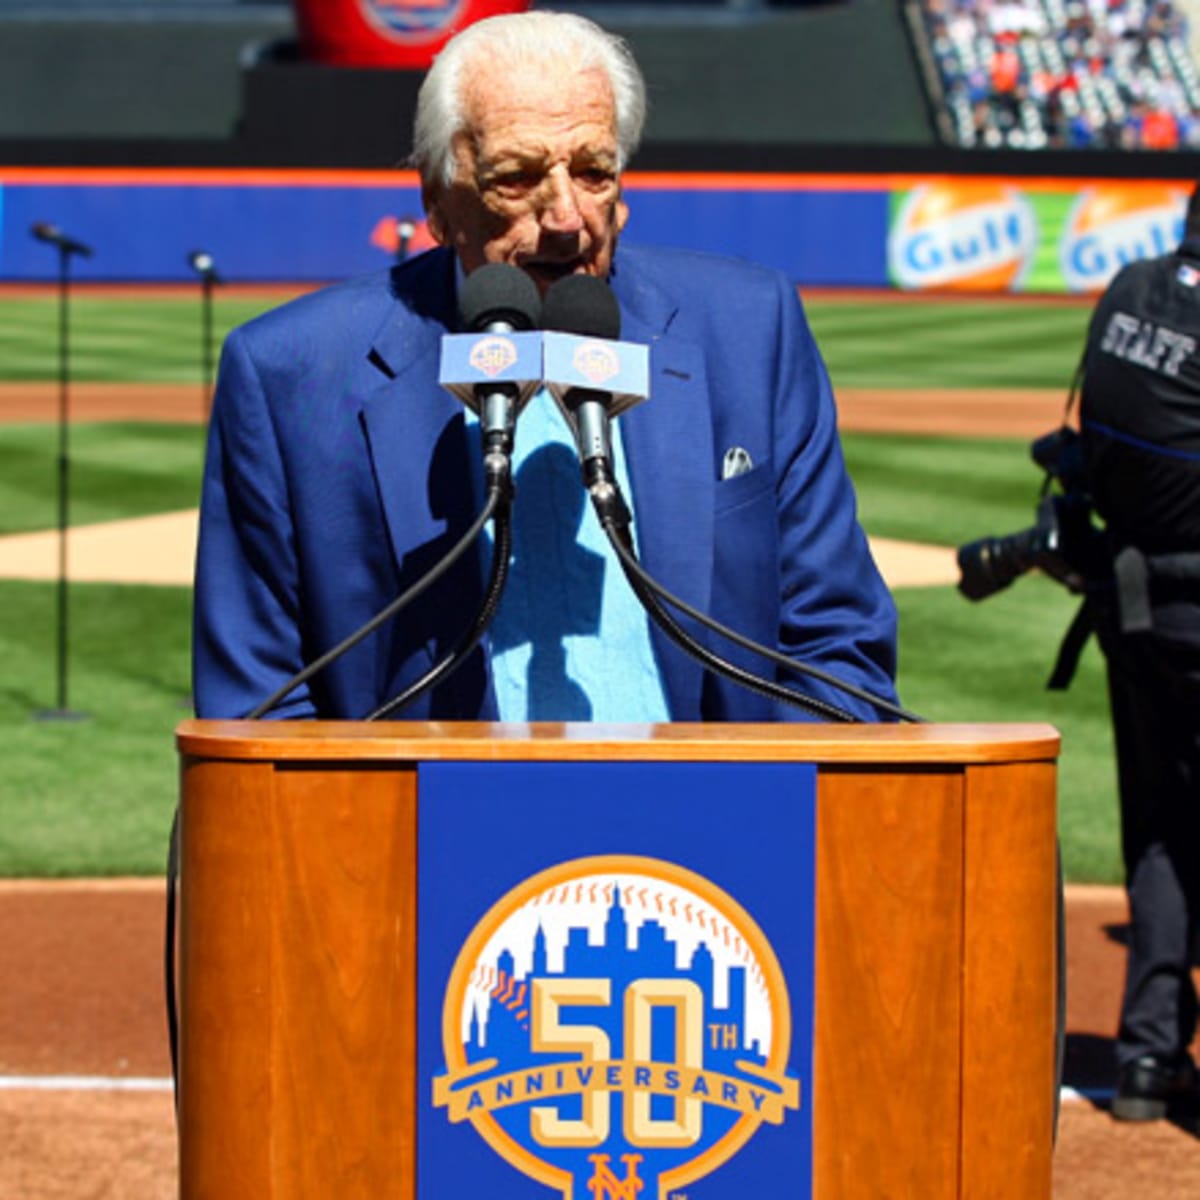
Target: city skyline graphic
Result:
[[617, 1017]]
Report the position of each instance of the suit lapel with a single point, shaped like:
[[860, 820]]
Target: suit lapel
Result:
[[414, 428], [668, 445], [421, 458]]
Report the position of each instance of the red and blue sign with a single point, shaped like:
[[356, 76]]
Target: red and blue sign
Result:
[[387, 33], [408, 17]]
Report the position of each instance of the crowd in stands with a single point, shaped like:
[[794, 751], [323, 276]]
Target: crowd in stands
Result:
[[1065, 73]]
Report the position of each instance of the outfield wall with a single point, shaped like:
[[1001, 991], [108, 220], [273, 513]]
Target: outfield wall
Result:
[[915, 232]]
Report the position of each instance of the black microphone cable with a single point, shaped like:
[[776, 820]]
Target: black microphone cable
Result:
[[648, 588], [386, 613], [449, 663], [497, 297], [646, 592], [585, 306]]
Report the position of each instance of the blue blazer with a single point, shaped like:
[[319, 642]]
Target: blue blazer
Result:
[[338, 472]]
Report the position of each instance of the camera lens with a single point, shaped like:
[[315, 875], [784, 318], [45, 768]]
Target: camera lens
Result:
[[990, 564]]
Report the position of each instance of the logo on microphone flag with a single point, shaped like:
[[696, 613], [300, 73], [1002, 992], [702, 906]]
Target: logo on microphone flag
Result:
[[597, 361], [492, 355], [471, 359], [619, 368]]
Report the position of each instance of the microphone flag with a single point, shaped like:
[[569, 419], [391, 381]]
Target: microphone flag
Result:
[[481, 360], [620, 369]]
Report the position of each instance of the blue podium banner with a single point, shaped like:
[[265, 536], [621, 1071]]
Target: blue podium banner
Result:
[[615, 980]]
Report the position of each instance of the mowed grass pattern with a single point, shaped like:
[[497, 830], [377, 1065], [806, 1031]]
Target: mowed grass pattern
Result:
[[114, 338], [117, 470], [949, 343], [96, 797]]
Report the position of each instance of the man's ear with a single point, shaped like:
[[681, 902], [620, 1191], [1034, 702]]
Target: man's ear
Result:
[[620, 214], [435, 218]]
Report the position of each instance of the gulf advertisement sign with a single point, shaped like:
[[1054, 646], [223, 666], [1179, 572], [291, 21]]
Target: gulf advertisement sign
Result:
[[961, 235], [1113, 224], [991, 235]]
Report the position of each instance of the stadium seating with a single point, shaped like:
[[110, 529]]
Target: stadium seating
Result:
[[1037, 74]]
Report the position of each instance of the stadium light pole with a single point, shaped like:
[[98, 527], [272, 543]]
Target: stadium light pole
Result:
[[67, 248], [202, 263]]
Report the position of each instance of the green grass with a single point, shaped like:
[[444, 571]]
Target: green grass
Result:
[[949, 344], [116, 338], [95, 797], [117, 470], [942, 490]]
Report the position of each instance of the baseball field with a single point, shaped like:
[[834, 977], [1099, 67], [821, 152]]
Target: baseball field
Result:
[[938, 398]]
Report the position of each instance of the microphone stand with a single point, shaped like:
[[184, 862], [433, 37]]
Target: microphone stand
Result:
[[66, 248], [406, 228], [202, 263]]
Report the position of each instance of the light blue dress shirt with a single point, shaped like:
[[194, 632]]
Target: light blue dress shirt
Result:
[[570, 641]]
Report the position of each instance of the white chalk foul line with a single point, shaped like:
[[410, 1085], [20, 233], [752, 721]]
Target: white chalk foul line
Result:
[[1070, 1095], [83, 1083]]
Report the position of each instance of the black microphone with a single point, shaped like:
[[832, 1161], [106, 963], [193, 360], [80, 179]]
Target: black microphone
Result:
[[51, 234], [498, 298], [585, 306]]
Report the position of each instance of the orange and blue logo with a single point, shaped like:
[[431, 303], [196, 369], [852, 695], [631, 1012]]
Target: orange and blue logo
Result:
[[617, 1027], [962, 235], [492, 354], [1115, 224], [597, 362], [411, 18]]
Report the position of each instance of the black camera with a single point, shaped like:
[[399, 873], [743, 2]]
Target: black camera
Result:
[[1062, 542]]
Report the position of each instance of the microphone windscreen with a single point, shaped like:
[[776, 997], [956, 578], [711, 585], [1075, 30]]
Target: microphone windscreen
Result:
[[499, 292], [583, 305]]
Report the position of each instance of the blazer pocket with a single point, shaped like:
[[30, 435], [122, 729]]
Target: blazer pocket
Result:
[[742, 489]]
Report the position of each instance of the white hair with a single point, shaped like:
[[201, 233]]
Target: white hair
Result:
[[521, 39]]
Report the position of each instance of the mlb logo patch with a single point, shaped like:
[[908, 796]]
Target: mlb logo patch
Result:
[[1188, 276]]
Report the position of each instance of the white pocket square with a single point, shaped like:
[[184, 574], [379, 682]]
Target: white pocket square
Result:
[[736, 462]]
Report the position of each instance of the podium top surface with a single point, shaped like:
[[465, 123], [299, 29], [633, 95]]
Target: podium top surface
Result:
[[446, 741]]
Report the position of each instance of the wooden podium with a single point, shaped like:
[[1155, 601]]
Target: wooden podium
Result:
[[933, 1052]]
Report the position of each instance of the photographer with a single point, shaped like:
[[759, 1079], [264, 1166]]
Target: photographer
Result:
[[1140, 433]]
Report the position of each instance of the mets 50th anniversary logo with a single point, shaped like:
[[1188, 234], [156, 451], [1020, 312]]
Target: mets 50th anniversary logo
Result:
[[616, 1027], [492, 354]]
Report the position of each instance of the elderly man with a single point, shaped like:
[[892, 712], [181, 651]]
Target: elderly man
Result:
[[339, 472]]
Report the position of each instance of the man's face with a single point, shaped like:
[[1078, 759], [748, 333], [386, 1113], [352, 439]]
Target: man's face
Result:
[[536, 181]]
